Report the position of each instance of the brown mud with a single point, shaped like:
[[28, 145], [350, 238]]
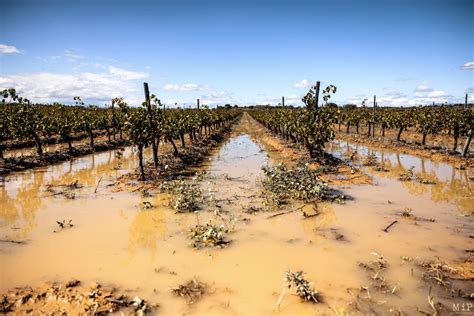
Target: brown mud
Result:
[[71, 298]]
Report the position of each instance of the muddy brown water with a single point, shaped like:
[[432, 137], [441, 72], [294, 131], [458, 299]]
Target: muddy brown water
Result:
[[115, 242]]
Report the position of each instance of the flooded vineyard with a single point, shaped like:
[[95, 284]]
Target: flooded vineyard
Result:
[[367, 255]]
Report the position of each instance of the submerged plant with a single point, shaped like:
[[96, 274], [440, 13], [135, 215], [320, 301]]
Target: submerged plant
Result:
[[208, 235], [370, 160], [410, 175], [63, 224], [304, 288], [406, 212], [192, 291], [302, 183], [441, 274], [186, 196], [378, 282], [146, 205]]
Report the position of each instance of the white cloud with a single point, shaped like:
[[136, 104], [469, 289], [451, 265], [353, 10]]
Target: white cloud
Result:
[[92, 87], [7, 49], [70, 54], [217, 97], [302, 84], [292, 99], [425, 95], [468, 65], [438, 94], [127, 74], [423, 88], [390, 99], [211, 99], [396, 98], [184, 87]]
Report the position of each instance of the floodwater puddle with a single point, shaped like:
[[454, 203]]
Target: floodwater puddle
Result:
[[452, 184], [116, 241]]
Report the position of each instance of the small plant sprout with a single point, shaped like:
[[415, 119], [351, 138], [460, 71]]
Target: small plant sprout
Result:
[[304, 288], [63, 224], [186, 196], [406, 212], [146, 205], [192, 290], [208, 236]]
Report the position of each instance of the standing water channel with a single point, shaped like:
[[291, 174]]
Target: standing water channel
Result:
[[115, 241]]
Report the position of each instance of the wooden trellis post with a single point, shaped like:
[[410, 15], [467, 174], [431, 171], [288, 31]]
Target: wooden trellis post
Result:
[[469, 135], [468, 142], [373, 116], [316, 95], [150, 123]]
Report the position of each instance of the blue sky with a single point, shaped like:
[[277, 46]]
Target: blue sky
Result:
[[240, 52]]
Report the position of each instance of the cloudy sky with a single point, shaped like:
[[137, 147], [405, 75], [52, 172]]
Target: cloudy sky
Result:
[[240, 52]]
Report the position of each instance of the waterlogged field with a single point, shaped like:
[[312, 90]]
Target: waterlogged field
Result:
[[135, 242]]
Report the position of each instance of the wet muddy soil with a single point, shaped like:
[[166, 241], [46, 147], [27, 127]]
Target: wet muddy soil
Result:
[[137, 243]]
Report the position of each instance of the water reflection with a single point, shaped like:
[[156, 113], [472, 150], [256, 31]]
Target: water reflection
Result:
[[146, 228], [22, 194], [452, 184]]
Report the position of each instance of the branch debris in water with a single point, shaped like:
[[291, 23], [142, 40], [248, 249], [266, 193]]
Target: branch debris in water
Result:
[[304, 288], [283, 184], [63, 224], [192, 291], [447, 277], [186, 196], [208, 235]]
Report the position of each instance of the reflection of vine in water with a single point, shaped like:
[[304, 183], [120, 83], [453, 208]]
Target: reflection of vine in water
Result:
[[89, 169], [321, 222], [8, 213], [456, 190], [145, 229], [27, 200], [18, 209]]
